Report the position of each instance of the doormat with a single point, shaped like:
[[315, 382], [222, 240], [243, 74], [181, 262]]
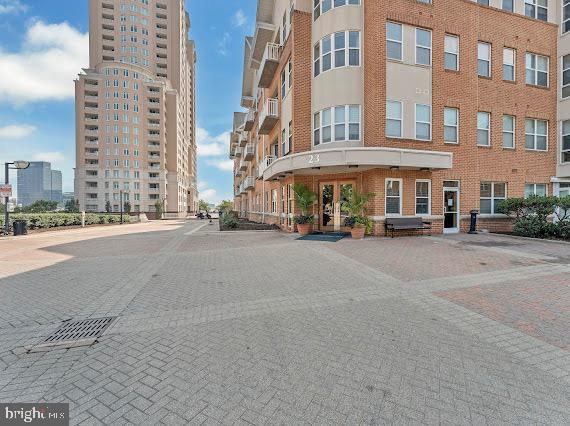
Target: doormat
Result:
[[332, 237]]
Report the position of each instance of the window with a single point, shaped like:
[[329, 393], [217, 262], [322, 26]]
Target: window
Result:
[[531, 189], [423, 122], [394, 44], [394, 119], [536, 134], [393, 196], [566, 16], [423, 196], [290, 141], [566, 141], [423, 46], [451, 125], [451, 61], [484, 59], [274, 201], [508, 131], [508, 5], [290, 73], [483, 2], [491, 194], [323, 6], [483, 129], [566, 72], [537, 9], [340, 123], [343, 55], [283, 85], [283, 142], [509, 56], [537, 70]]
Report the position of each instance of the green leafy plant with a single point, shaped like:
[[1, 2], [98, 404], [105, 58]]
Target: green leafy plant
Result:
[[127, 207], [55, 220], [305, 199], [355, 206], [227, 220], [72, 206], [108, 207], [203, 206], [225, 206], [40, 206], [159, 208]]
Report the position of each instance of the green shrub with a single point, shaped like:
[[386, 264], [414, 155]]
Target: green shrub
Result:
[[54, 220], [228, 221]]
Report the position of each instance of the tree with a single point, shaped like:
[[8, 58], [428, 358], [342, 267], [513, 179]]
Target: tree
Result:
[[108, 207], [127, 207], [203, 205], [72, 206], [159, 208], [41, 206], [225, 206]]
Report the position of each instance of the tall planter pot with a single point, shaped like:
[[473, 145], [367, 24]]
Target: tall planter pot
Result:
[[357, 232], [305, 228]]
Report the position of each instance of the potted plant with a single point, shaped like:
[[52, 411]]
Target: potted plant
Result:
[[357, 220], [305, 199]]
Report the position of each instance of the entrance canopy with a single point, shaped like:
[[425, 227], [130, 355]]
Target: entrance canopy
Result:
[[343, 160]]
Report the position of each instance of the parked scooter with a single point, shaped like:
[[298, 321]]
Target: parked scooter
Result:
[[202, 216]]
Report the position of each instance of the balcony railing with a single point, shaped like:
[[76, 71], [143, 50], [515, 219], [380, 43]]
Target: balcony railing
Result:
[[238, 152], [249, 120], [269, 65], [238, 173], [249, 151], [242, 140], [265, 163], [243, 165], [249, 183], [269, 116]]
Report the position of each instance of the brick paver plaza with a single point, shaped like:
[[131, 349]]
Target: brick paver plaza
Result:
[[259, 328]]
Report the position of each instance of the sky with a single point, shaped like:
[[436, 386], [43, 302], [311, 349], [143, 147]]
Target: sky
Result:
[[44, 46]]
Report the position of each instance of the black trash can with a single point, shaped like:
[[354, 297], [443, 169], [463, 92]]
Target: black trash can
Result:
[[20, 227]]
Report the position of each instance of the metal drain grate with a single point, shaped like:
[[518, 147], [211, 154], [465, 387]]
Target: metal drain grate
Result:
[[75, 333]]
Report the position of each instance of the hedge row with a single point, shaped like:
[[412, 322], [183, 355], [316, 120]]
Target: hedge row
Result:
[[53, 220]]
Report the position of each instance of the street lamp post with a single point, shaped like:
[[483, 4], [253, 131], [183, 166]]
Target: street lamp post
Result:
[[18, 165], [121, 201]]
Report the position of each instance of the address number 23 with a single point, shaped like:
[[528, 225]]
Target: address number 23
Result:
[[314, 158]]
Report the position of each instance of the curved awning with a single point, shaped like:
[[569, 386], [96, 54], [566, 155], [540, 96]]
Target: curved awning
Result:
[[342, 160]]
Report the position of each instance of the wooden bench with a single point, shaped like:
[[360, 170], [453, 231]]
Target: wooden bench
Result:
[[405, 224]]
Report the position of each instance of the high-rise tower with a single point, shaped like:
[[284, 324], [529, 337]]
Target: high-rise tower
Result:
[[135, 108]]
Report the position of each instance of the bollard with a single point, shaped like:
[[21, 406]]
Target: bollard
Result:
[[473, 226], [83, 219]]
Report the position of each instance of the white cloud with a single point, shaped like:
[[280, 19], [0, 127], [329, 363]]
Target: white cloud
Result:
[[12, 6], [223, 165], [50, 157], [16, 131], [239, 19], [212, 196], [223, 44], [50, 58], [212, 146]]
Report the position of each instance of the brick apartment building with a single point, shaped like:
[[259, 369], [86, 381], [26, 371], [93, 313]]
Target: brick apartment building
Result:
[[136, 109], [437, 106]]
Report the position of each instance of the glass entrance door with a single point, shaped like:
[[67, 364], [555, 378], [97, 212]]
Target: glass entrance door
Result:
[[451, 210], [332, 197]]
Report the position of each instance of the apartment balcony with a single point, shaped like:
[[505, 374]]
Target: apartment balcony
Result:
[[243, 165], [154, 125], [91, 97], [233, 147], [91, 84], [238, 173], [154, 157], [238, 152], [91, 119], [154, 166], [269, 65], [249, 120], [242, 140], [269, 116], [92, 153], [265, 163], [92, 141], [91, 109], [249, 152], [91, 132], [249, 183]]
